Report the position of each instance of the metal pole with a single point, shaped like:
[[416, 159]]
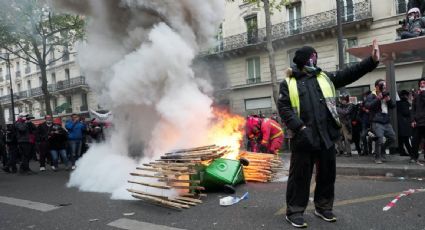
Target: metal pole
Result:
[[340, 35], [11, 89]]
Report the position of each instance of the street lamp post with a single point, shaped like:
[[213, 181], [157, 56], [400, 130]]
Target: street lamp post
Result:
[[7, 59]]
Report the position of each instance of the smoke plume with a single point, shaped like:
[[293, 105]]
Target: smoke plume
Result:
[[138, 58]]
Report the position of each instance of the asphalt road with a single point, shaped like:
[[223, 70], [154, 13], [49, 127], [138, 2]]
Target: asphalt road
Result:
[[359, 203]]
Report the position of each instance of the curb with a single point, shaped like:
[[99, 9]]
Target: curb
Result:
[[387, 170]]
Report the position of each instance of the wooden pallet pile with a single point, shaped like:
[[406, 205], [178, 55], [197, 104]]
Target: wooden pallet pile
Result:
[[169, 177], [262, 167]]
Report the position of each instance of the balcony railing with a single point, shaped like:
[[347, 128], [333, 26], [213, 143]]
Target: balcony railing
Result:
[[253, 80], [77, 81], [60, 85], [315, 22]]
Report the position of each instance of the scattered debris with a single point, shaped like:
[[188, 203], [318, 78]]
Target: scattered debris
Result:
[[398, 197], [231, 200], [93, 220], [64, 204], [129, 213], [388, 174], [262, 167], [31, 226]]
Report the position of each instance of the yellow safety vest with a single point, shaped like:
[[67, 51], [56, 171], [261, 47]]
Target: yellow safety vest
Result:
[[328, 90]]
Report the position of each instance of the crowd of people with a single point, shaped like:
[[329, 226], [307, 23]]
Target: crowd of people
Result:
[[50, 142], [368, 124]]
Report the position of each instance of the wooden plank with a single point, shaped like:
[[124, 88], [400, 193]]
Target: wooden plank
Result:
[[150, 185], [160, 201]]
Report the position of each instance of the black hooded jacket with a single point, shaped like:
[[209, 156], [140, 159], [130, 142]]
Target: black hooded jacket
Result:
[[418, 109], [314, 113]]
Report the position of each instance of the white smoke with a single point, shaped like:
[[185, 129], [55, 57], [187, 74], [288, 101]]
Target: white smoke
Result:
[[138, 57]]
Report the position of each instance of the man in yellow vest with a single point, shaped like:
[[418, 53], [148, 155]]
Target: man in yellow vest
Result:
[[307, 105]]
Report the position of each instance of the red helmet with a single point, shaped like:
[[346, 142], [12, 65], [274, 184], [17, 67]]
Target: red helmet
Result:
[[253, 121]]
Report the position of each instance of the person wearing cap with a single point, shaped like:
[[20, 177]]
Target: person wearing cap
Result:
[[42, 137], [307, 105], [24, 130], [418, 120], [415, 24], [252, 131]]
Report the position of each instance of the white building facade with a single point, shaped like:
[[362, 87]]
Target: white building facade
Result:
[[66, 84], [241, 47]]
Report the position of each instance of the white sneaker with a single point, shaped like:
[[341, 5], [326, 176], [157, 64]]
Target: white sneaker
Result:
[[42, 169], [53, 168], [73, 167]]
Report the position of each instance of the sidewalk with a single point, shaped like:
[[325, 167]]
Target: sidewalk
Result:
[[395, 166]]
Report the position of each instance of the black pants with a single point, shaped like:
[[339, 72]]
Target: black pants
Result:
[[43, 150], [418, 135], [26, 154], [12, 157], [300, 172], [404, 141]]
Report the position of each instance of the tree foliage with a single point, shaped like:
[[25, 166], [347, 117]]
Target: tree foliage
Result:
[[31, 31]]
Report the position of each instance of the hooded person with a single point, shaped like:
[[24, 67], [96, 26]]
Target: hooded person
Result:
[[307, 105], [415, 24]]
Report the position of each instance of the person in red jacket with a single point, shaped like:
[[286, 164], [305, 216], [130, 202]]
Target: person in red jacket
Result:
[[253, 126], [264, 135], [272, 136]]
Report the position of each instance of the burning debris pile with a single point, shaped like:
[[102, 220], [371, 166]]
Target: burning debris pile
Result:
[[174, 172], [181, 176], [262, 167]]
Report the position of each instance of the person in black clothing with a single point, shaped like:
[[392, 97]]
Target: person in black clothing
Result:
[[418, 120], [42, 136], [24, 130], [364, 116], [312, 117], [404, 124], [3, 154], [11, 145], [379, 103], [57, 139], [356, 126]]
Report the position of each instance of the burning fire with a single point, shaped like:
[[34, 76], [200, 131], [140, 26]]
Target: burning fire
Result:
[[227, 130]]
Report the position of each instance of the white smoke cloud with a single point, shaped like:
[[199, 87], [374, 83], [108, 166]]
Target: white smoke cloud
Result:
[[138, 57]]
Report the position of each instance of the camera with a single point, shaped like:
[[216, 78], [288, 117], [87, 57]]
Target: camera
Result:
[[402, 22], [384, 94]]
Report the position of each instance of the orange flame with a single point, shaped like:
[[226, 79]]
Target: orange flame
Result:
[[228, 130]]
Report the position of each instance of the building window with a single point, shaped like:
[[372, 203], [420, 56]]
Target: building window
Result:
[[1, 92], [254, 71], [27, 67], [29, 84], [53, 77], [67, 75], [19, 88], [54, 103], [349, 43], [401, 6], [69, 100], [294, 18], [220, 43], [291, 55], [40, 81], [347, 10], [252, 29], [258, 105], [407, 85], [358, 91]]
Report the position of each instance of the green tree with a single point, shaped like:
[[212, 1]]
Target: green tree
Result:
[[31, 31]]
